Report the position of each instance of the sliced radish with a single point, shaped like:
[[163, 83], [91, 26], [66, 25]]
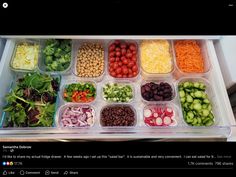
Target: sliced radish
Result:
[[169, 111], [159, 121], [167, 120], [147, 113], [174, 122], [159, 111], [155, 114]]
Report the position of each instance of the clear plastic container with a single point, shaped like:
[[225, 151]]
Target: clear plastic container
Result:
[[76, 45], [211, 96], [122, 83], [67, 105], [158, 82], [13, 85], [207, 65], [42, 65], [77, 82], [118, 105], [151, 76], [175, 117], [30, 42], [137, 60]]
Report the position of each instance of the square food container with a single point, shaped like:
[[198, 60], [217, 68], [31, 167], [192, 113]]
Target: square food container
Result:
[[67, 105], [28, 42], [42, 65], [152, 76], [76, 45], [134, 78], [77, 82], [13, 85], [211, 96], [121, 83], [160, 114], [204, 52], [170, 82], [118, 105]]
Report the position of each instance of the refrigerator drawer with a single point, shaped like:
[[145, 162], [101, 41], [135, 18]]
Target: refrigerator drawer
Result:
[[221, 100]]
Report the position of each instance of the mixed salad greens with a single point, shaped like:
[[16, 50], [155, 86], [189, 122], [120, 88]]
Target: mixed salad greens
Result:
[[32, 102], [57, 54]]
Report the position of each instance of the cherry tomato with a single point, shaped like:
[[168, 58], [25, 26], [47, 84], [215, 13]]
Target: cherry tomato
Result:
[[117, 49], [111, 65], [130, 71], [122, 58], [118, 54], [132, 47], [112, 47], [130, 75], [115, 65], [120, 63], [131, 64], [135, 68], [125, 70], [111, 69], [124, 76], [123, 46], [128, 55], [123, 51], [112, 54], [134, 52], [113, 73], [134, 58], [135, 73], [118, 70], [117, 42], [112, 59], [117, 59], [119, 75], [128, 51], [125, 61]]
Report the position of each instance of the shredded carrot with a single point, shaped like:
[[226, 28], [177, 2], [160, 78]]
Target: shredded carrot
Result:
[[188, 56]]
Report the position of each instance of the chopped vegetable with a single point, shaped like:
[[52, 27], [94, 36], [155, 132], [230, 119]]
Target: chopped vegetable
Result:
[[80, 92], [188, 56], [77, 116], [159, 116], [115, 92], [26, 56], [196, 107], [57, 54], [32, 102]]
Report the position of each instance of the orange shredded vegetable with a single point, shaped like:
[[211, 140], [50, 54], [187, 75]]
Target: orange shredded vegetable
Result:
[[188, 56]]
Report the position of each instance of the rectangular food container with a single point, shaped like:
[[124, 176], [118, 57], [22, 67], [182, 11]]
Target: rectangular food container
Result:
[[123, 83], [152, 76], [210, 93], [78, 81], [158, 81], [207, 64], [176, 118], [65, 106], [76, 45], [13, 85], [137, 60], [118, 127], [27, 41], [42, 65]]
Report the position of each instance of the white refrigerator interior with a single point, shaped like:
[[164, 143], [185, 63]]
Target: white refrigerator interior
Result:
[[223, 128]]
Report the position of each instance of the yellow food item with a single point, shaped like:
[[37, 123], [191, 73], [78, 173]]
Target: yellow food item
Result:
[[156, 57], [26, 56]]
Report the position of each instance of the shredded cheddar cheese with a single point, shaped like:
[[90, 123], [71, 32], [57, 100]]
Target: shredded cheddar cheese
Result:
[[156, 57]]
